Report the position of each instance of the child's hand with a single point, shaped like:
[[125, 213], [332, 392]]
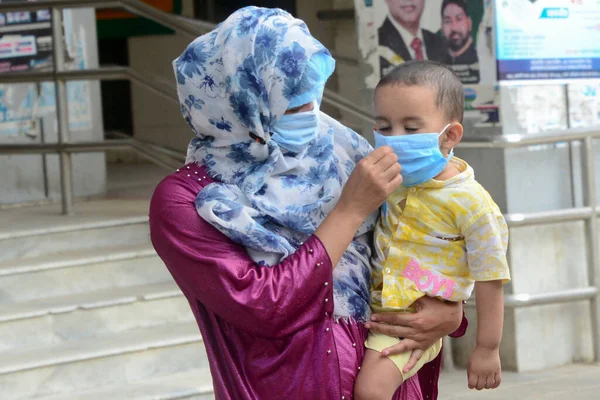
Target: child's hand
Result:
[[484, 371], [415, 356]]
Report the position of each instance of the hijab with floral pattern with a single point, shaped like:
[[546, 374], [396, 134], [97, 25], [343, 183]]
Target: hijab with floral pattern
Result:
[[234, 84]]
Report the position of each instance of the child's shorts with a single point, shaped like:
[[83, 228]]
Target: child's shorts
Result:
[[378, 342]]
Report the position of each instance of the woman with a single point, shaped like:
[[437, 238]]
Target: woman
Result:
[[256, 230]]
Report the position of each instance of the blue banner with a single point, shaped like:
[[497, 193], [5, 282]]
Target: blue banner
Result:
[[548, 39]]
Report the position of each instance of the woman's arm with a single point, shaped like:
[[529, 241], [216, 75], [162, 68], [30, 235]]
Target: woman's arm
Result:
[[375, 177], [266, 301], [432, 320]]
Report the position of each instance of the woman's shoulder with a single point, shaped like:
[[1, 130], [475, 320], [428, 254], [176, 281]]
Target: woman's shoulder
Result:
[[179, 189]]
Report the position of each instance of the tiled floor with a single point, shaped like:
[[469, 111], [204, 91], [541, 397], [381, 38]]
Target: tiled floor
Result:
[[573, 382]]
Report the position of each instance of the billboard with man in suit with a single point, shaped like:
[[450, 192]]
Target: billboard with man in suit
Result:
[[403, 38]]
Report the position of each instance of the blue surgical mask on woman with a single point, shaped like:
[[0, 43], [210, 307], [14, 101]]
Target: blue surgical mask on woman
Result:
[[294, 132], [419, 155]]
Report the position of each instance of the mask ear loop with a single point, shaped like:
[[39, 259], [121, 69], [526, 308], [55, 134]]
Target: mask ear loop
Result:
[[451, 152], [443, 130]]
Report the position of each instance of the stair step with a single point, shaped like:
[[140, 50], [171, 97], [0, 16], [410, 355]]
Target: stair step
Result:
[[89, 311], [53, 320], [74, 227], [79, 271], [101, 298], [74, 258], [101, 362], [87, 349], [195, 383], [34, 231], [35, 245]]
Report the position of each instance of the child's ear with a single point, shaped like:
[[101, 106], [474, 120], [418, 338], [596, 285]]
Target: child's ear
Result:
[[454, 134]]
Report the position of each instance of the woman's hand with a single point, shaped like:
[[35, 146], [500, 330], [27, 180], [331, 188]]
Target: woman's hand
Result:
[[432, 321], [374, 178]]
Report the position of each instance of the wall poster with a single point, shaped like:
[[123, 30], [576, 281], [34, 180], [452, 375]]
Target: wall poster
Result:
[[446, 31], [25, 40], [26, 44], [458, 33], [548, 39]]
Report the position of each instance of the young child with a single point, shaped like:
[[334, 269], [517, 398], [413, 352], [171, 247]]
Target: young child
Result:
[[439, 235]]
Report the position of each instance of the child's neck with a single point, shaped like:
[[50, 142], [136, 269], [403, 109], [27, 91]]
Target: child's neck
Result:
[[449, 172]]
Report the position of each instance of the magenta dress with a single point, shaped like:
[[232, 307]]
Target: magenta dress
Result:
[[268, 332]]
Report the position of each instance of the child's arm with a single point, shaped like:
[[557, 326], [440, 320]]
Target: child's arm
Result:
[[484, 370], [490, 313], [486, 238]]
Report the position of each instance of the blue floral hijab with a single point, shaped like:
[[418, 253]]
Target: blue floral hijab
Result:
[[234, 84]]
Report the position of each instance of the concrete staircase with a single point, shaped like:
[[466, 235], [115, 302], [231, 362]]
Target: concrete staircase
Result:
[[88, 311]]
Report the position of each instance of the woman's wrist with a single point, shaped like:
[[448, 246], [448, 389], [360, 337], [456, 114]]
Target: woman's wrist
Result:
[[337, 231], [445, 318], [455, 317], [350, 216]]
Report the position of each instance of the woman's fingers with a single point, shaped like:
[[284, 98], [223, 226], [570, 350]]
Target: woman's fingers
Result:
[[387, 160], [400, 319], [388, 164], [391, 330], [388, 167], [403, 346], [415, 356], [394, 183], [374, 178], [383, 157], [392, 171]]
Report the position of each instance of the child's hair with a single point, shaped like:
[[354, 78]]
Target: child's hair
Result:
[[450, 95]]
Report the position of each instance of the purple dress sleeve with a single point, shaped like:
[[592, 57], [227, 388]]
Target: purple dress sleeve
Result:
[[267, 302], [462, 329]]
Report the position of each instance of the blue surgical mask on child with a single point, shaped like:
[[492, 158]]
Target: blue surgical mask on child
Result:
[[294, 132], [419, 155]]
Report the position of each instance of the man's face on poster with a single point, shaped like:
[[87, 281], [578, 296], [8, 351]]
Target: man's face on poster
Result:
[[406, 12], [456, 26]]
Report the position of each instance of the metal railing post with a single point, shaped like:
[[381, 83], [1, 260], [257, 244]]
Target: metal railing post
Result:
[[62, 112], [592, 239]]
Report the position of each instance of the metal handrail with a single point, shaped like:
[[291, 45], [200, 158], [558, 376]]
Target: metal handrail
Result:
[[514, 220], [72, 147], [170, 159], [530, 300], [104, 73], [518, 140], [57, 4]]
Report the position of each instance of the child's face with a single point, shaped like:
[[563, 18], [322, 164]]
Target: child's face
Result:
[[403, 110]]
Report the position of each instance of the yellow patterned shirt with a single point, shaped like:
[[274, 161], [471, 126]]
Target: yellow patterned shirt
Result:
[[448, 235]]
